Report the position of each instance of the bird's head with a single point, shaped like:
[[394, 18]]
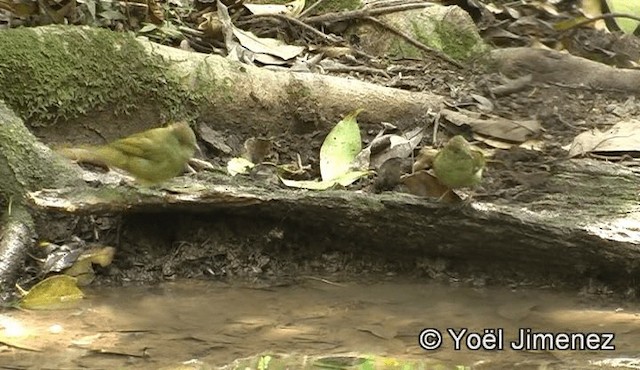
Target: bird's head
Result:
[[184, 134], [457, 143]]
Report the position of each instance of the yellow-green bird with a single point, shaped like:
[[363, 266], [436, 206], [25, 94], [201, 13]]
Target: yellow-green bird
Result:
[[151, 156], [458, 164]]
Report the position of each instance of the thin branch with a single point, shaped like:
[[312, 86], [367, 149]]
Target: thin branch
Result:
[[312, 7], [362, 13], [360, 69], [283, 17]]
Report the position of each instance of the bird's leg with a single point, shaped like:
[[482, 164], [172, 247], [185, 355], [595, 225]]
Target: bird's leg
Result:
[[444, 195]]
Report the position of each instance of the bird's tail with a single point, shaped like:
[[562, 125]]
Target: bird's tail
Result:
[[83, 154]]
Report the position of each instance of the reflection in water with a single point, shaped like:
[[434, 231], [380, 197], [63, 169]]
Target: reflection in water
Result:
[[151, 327]]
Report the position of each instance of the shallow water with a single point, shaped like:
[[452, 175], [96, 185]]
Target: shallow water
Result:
[[216, 323]]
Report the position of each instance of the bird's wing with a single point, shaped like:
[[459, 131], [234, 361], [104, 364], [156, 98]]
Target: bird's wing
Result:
[[135, 145]]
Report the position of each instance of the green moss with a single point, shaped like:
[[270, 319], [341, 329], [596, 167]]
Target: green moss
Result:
[[63, 72], [210, 86], [25, 165], [451, 37], [453, 40], [335, 6], [459, 43]]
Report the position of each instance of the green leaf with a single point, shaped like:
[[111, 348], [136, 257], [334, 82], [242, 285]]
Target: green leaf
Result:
[[627, 25], [148, 28], [340, 147]]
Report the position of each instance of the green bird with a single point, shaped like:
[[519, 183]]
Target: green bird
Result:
[[151, 156], [458, 164]]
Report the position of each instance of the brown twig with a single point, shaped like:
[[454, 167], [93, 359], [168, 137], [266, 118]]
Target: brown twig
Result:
[[284, 17], [361, 69], [362, 13], [310, 8]]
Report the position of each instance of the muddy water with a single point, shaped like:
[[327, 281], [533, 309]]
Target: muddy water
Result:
[[213, 324]]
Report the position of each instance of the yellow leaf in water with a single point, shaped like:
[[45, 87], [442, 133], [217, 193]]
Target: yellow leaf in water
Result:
[[55, 292]]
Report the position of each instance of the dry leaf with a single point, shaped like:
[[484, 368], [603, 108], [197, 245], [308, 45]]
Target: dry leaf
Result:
[[496, 127], [423, 184], [622, 137]]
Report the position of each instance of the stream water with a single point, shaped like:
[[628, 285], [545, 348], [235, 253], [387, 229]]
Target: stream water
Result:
[[202, 325]]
